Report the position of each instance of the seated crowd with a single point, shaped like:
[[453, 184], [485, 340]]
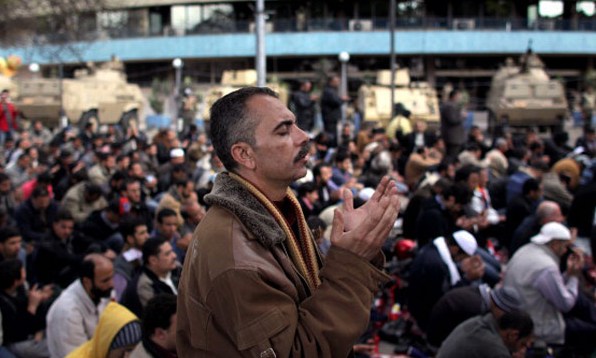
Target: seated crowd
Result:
[[94, 228]]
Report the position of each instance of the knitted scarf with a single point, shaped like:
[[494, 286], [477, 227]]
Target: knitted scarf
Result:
[[301, 249]]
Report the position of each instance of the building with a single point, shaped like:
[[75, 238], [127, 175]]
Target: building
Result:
[[454, 41]]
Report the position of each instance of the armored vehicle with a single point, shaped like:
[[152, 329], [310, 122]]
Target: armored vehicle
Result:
[[232, 80], [417, 97], [524, 95], [96, 95]]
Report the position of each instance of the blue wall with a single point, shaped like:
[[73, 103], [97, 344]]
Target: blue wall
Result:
[[329, 43]]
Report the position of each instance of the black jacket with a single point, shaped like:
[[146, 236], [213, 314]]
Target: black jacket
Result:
[[130, 297], [304, 109], [331, 109], [17, 322]]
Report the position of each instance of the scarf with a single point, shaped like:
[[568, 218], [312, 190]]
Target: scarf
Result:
[[441, 246], [301, 249]]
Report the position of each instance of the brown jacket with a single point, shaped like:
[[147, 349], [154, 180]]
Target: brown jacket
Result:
[[240, 294]]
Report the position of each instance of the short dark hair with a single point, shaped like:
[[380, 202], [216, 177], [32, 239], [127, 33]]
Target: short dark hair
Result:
[[152, 247], [231, 122], [463, 173], [8, 232], [453, 93], [40, 191], [63, 215], [164, 213], [181, 182], [316, 171], [459, 191], [517, 320], [129, 224], [529, 185], [307, 187], [92, 189], [10, 271], [158, 313], [45, 177], [4, 177]]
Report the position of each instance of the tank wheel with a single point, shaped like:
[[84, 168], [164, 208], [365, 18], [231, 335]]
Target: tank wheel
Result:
[[130, 119], [89, 117]]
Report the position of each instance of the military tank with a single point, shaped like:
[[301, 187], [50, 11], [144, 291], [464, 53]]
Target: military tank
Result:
[[523, 95], [418, 97], [96, 95], [232, 80]]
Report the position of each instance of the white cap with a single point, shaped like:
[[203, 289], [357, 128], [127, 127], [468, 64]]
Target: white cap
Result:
[[552, 231], [366, 193], [466, 241], [176, 153]]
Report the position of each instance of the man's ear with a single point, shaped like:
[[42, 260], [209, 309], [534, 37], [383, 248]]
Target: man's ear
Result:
[[86, 282], [243, 155]]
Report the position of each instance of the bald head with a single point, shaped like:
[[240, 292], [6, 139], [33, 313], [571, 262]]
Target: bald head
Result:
[[98, 260], [549, 211]]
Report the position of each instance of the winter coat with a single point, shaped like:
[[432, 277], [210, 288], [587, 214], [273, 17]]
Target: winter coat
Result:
[[240, 294]]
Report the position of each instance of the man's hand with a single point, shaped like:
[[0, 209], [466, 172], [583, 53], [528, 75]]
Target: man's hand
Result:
[[575, 263], [473, 267], [36, 296], [364, 230]]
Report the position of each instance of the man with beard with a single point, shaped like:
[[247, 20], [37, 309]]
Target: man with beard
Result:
[[135, 234], [155, 276], [72, 318]]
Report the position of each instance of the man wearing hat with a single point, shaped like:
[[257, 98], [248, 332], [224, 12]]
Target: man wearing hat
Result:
[[462, 303], [434, 272], [545, 292]]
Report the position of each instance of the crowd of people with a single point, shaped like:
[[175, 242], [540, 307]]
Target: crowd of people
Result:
[[96, 232]]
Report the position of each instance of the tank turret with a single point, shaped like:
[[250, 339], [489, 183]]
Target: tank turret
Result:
[[232, 80], [524, 95], [419, 98]]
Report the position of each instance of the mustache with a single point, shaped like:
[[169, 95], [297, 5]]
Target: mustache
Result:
[[303, 152]]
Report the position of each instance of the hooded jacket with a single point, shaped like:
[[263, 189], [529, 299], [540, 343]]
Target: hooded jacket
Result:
[[111, 321], [240, 294]]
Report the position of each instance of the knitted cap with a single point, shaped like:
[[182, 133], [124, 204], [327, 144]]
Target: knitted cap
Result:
[[506, 298], [129, 334]]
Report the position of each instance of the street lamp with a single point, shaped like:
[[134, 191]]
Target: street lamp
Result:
[[177, 63], [344, 57], [34, 67]]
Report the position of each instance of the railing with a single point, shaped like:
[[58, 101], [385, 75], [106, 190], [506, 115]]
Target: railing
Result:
[[357, 25]]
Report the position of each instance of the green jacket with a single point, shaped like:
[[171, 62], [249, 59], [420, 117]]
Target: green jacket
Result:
[[241, 296]]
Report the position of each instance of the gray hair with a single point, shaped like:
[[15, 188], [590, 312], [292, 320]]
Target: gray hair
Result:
[[231, 122]]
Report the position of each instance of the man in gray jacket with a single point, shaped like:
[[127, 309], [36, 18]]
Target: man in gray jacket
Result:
[[546, 293]]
